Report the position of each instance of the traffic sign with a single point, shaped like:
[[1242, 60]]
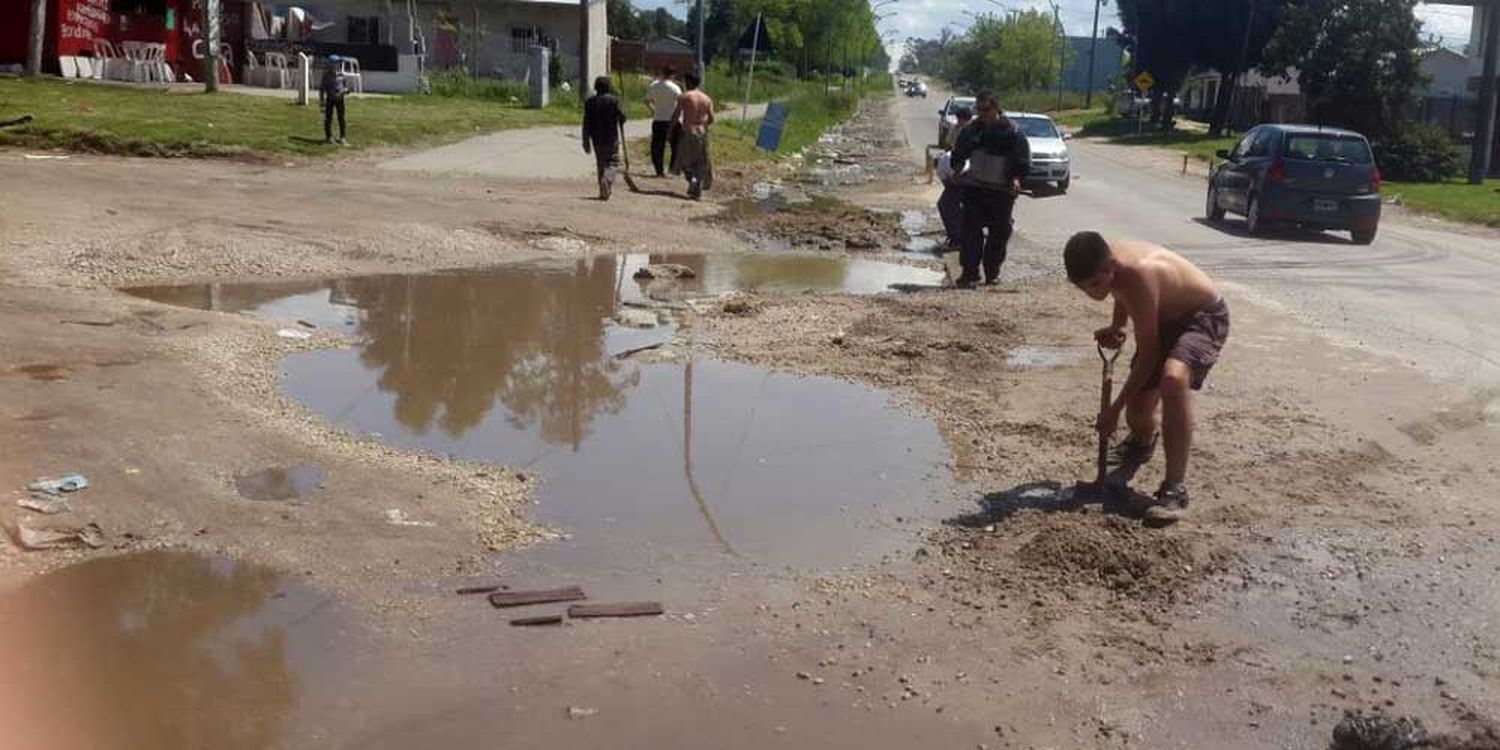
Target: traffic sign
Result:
[[1145, 81]]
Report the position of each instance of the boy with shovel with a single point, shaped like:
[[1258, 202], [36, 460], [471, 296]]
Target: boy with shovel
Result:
[[1181, 324]]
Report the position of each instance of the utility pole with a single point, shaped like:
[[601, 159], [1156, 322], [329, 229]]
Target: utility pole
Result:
[[1062, 52], [1088, 96], [583, 51], [474, 38], [1484, 135], [1234, 93], [701, 70], [211, 56], [35, 42]]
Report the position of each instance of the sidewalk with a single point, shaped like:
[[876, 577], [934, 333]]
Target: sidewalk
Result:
[[553, 152]]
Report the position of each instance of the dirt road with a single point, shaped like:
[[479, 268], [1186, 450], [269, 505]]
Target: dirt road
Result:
[[1340, 556]]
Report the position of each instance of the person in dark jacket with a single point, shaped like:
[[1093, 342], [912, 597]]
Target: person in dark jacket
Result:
[[331, 90], [603, 120], [997, 157]]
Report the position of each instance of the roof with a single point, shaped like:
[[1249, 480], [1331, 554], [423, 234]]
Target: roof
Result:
[[1304, 128], [1028, 114], [573, 3]]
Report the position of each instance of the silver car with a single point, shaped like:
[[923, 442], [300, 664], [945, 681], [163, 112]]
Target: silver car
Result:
[[948, 115], [1050, 161]]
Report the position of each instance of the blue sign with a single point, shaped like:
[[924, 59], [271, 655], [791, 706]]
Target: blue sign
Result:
[[772, 126]]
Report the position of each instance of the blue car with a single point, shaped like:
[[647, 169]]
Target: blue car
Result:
[[1323, 178]]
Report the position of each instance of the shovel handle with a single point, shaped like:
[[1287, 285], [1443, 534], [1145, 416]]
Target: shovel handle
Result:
[[1106, 393]]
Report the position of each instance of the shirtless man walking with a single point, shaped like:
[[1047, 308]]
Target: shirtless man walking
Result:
[[1181, 324]]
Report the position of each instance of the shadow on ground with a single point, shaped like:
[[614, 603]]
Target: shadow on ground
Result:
[[1116, 497]]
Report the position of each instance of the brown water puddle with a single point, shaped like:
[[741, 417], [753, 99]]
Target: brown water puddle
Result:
[[280, 482], [641, 462], [161, 650], [602, 280]]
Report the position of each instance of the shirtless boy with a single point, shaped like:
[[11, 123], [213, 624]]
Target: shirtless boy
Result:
[[1180, 324]]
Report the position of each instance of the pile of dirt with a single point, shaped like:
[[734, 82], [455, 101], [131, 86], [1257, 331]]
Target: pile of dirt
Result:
[[819, 224], [1358, 731], [1051, 553]]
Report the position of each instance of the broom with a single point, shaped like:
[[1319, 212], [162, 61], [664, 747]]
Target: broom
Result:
[[625, 145]]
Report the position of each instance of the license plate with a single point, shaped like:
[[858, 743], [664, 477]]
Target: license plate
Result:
[[1325, 205]]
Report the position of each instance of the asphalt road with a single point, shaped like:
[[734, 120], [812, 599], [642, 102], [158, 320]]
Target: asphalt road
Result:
[[1424, 293]]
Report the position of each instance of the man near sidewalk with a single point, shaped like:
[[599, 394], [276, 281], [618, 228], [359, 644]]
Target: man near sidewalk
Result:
[[602, 121], [661, 98], [331, 91], [950, 203], [997, 157], [694, 115], [1181, 324]]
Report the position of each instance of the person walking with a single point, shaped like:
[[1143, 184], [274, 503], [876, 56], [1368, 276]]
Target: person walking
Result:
[[603, 120], [997, 157], [331, 91], [693, 115], [950, 203], [661, 98]]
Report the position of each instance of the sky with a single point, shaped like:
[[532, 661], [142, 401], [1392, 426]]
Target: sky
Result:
[[924, 18]]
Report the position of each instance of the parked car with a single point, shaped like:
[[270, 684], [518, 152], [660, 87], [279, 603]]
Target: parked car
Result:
[[1050, 161], [917, 88], [1299, 174], [948, 115]]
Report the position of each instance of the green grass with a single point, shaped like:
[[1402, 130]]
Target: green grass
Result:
[[1097, 124], [119, 120], [1455, 199]]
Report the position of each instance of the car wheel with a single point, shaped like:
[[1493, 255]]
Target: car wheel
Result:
[[1363, 236], [1213, 211], [1062, 185], [1254, 224]]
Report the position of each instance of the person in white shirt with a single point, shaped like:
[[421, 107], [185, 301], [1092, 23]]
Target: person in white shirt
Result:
[[662, 97], [949, 205]]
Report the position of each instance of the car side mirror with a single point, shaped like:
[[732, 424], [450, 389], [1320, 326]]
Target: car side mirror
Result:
[[1222, 153], [1067, 136]]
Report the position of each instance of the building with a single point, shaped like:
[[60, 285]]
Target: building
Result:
[[1260, 98], [1109, 57], [653, 55], [395, 41]]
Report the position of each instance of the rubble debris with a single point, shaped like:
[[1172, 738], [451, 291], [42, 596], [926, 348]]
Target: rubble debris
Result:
[[501, 599], [524, 622], [90, 536], [624, 609], [665, 271]]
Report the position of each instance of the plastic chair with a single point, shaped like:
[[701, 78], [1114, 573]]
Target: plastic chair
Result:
[[108, 64], [349, 69], [278, 76]]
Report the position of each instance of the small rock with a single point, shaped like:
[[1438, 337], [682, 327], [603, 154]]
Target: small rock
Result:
[[817, 680], [804, 676], [666, 271], [576, 712], [635, 318]]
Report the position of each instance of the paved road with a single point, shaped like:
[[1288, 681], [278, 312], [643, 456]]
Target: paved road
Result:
[[552, 152], [1421, 293]]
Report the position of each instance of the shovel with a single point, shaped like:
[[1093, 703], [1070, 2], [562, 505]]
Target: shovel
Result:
[[1102, 489], [625, 152]]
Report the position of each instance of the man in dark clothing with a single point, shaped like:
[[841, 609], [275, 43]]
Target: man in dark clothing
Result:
[[997, 157], [602, 122], [331, 91]]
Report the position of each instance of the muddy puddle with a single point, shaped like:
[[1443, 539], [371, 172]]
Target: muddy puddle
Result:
[[643, 459], [280, 483], [165, 650]]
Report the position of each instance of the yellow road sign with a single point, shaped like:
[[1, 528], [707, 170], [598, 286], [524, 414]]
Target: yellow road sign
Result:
[[1145, 81]]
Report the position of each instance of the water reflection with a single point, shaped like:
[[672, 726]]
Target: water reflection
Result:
[[159, 650]]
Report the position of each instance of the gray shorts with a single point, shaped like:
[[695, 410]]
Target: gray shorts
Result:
[[1195, 341]]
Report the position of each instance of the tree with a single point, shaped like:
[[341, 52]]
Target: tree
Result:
[[1025, 58], [1356, 60]]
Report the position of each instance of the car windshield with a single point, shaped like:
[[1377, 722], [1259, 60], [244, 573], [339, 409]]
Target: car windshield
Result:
[[1346, 149], [1035, 127], [955, 105]]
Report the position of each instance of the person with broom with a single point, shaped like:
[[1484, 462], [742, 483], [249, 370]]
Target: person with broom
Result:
[[1181, 324], [603, 124]]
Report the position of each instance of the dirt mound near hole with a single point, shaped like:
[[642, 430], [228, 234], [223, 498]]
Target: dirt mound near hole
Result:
[[822, 223], [1045, 555], [1109, 549]]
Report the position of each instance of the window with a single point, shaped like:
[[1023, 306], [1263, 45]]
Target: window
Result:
[[1036, 127], [522, 37], [364, 29], [1243, 147], [1262, 144], [1346, 149]]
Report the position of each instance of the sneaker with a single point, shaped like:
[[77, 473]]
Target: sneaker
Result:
[[1171, 503], [965, 282], [328, 141], [343, 142], [1131, 454]]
